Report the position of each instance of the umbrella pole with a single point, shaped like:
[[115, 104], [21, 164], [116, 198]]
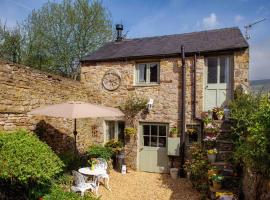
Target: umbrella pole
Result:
[[75, 136]]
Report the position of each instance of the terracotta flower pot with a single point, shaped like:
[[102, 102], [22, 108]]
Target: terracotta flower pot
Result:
[[220, 117], [211, 172], [217, 185], [210, 134]]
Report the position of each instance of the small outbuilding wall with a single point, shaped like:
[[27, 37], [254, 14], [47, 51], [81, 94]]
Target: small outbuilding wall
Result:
[[23, 88]]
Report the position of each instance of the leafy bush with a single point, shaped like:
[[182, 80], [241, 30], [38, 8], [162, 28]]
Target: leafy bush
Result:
[[99, 151], [198, 167], [71, 160], [57, 193], [251, 116], [115, 145], [25, 159]]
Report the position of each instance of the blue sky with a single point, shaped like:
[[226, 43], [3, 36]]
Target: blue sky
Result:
[[158, 17]]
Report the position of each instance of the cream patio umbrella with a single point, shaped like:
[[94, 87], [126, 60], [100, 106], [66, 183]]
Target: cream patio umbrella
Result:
[[76, 110]]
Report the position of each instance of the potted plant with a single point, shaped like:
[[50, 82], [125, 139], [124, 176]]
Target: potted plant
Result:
[[174, 132], [213, 170], [218, 113], [115, 145], [211, 154], [92, 162], [192, 135], [211, 129], [217, 181], [210, 142], [130, 131]]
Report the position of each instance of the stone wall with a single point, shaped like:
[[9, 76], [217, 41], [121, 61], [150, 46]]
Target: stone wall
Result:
[[255, 186], [22, 89], [166, 95], [241, 68]]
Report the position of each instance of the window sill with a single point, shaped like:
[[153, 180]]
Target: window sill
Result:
[[146, 84]]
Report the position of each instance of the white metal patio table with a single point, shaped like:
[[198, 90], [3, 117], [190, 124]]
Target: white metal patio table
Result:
[[87, 171]]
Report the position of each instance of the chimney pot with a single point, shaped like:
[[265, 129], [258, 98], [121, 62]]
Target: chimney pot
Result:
[[119, 29]]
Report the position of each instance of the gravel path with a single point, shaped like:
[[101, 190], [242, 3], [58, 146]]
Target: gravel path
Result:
[[147, 186]]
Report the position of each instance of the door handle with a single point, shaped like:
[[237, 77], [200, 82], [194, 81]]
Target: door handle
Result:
[[206, 87], [141, 149]]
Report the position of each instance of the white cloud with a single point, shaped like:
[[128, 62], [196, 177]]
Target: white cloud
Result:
[[238, 18], [210, 21]]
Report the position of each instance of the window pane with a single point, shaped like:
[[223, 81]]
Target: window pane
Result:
[[212, 70], [162, 141], [146, 141], [153, 141], [162, 130], [146, 130], [121, 131], [223, 70], [153, 73], [154, 130], [142, 73], [110, 130]]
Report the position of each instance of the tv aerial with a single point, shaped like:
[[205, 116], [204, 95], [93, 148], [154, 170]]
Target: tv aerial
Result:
[[249, 26]]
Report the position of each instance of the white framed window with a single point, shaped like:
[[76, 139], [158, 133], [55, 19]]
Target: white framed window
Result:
[[218, 69], [147, 73], [114, 131], [154, 135]]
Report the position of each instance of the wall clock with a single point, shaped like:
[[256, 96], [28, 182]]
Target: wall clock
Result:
[[111, 81]]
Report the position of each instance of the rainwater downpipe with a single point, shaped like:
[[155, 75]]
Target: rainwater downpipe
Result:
[[183, 114], [194, 99]]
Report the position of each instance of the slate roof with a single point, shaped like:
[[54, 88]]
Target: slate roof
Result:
[[203, 41]]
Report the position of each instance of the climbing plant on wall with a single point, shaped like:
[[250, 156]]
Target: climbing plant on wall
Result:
[[133, 106]]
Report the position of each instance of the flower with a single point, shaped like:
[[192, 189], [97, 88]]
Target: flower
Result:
[[212, 151], [209, 139], [191, 131]]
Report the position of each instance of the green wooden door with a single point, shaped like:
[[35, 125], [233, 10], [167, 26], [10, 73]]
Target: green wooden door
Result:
[[217, 82], [153, 148]]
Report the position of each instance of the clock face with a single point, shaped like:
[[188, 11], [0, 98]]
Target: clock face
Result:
[[111, 81]]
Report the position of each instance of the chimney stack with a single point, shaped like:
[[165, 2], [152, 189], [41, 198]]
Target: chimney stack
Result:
[[119, 29]]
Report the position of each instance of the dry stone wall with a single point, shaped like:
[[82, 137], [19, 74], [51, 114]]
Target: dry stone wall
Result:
[[22, 89]]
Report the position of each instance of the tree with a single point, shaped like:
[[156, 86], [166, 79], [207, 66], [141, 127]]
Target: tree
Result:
[[10, 43], [58, 35]]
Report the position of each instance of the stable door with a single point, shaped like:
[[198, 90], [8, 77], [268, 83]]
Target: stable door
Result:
[[217, 82]]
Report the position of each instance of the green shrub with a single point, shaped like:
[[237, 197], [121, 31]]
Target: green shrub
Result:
[[115, 145], [71, 160], [27, 160], [57, 193], [251, 117], [198, 166], [99, 151]]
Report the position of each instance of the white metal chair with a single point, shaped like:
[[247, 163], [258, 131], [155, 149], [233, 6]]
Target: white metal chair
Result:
[[81, 185], [102, 164]]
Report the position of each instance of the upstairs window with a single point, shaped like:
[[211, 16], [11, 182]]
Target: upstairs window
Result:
[[147, 73]]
